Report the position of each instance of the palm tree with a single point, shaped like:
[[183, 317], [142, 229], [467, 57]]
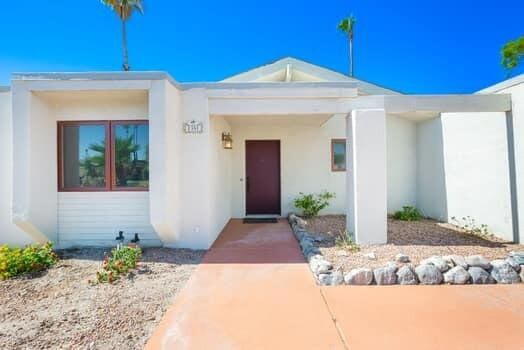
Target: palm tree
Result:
[[347, 25], [124, 9]]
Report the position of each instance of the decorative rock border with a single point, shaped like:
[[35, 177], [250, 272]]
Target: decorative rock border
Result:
[[449, 269]]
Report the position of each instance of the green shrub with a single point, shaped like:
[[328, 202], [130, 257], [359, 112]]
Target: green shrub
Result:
[[312, 204], [121, 261], [17, 261], [344, 240], [408, 213], [468, 225]]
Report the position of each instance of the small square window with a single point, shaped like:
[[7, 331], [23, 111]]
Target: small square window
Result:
[[338, 155]]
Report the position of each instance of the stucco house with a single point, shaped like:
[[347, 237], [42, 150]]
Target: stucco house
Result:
[[89, 154]]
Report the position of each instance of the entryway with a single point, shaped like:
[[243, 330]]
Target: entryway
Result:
[[263, 177]]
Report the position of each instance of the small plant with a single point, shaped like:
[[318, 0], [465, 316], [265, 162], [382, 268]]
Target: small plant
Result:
[[312, 204], [344, 240], [468, 225], [408, 213], [121, 261], [33, 258]]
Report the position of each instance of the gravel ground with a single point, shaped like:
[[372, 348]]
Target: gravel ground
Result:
[[59, 309], [417, 239]]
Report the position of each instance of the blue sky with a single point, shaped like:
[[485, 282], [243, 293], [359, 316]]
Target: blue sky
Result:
[[412, 46]]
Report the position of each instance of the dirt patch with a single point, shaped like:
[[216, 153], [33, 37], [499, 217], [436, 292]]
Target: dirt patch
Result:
[[61, 310], [417, 239]]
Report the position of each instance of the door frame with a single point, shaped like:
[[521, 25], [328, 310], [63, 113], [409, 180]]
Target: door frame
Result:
[[244, 170]]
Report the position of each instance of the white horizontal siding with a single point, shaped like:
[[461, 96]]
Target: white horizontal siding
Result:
[[94, 218]]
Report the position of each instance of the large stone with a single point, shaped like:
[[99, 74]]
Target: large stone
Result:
[[503, 273], [406, 275], [402, 258], [437, 261], [361, 277], [334, 278], [518, 256], [320, 265], [307, 246], [457, 275], [456, 260], [428, 274], [337, 278], [300, 234], [478, 261], [514, 263], [314, 256], [301, 223], [386, 275], [292, 218], [480, 276]]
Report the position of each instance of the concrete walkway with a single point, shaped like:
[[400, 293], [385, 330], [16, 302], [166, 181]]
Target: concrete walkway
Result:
[[255, 291]]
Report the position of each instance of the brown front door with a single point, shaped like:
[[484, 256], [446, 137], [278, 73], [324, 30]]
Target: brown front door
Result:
[[263, 177]]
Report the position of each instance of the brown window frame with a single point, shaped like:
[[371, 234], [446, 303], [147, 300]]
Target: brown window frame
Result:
[[109, 167], [333, 142]]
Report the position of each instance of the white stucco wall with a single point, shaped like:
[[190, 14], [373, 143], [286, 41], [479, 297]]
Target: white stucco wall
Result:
[[47, 208], [9, 232], [114, 211], [476, 170], [306, 159], [517, 103], [195, 229], [220, 182], [94, 218], [366, 216], [401, 136], [431, 182]]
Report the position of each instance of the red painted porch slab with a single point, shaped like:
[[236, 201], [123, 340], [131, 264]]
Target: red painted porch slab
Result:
[[248, 296]]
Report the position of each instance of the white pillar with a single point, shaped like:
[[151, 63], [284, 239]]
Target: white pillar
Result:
[[366, 181]]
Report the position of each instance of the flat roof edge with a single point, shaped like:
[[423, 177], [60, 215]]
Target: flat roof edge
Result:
[[87, 76], [519, 79], [259, 85]]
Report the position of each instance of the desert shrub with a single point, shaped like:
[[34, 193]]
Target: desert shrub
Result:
[[17, 261], [344, 240], [120, 261], [408, 213], [312, 204], [469, 225]]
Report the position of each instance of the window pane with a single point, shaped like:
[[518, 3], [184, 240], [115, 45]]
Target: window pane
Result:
[[83, 149], [132, 155], [339, 155]]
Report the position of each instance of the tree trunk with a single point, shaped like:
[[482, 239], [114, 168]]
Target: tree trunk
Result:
[[350, 56], [125, 65]]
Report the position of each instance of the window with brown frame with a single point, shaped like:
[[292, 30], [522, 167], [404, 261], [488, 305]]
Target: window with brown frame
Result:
[[85, 163], [338, 155]]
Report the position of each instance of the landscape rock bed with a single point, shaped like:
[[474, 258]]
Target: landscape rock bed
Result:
[[59, 309], [387, 265]]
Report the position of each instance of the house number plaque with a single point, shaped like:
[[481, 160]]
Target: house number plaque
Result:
[[193, 127]]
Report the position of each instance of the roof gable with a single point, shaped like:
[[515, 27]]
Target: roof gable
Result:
[[293, 70]]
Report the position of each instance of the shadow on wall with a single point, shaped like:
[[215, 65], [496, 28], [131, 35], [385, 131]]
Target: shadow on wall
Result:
[[431, 179]]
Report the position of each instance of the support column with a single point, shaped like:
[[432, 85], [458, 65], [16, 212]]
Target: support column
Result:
[[366, 182], [515, 213]]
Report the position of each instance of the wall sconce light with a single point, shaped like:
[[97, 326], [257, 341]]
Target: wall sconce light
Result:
[[227, 140]]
